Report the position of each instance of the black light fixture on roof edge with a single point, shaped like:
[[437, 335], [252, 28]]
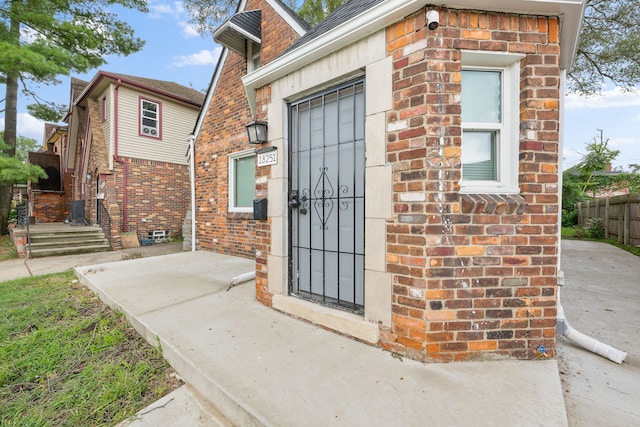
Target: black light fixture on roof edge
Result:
[[257, 132]]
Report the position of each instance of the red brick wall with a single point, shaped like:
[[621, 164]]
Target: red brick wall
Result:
[[52, 206], [474, 277], [222, 133], [48, 207], [156, 191]]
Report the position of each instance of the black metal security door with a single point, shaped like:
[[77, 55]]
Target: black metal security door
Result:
[[326, 196]]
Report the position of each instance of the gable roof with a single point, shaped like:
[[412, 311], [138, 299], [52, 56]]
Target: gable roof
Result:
[[241, 27], [290, 17], [161, 87], [168, 87]]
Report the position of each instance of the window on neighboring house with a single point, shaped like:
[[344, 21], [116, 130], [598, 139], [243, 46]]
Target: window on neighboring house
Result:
[[103, 109], [241, 181], [150, 117], [490, 107]]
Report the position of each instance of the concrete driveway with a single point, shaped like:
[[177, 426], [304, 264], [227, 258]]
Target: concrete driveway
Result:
[[601, 298]]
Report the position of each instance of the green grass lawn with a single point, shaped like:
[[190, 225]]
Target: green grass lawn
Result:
[[7, 248], [68, 360]]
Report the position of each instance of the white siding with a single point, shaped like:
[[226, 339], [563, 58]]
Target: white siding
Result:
[[107, 125], [177, 123]]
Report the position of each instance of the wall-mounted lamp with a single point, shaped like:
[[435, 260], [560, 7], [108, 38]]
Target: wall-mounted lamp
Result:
[[257, 132], [433, 19]]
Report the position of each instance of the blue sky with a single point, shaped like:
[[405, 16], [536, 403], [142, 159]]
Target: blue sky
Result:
[[175, 52], [615, 112]]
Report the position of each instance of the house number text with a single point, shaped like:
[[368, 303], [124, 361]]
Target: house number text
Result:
[[269, 158]]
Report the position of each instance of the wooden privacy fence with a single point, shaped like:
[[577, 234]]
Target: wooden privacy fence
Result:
[[620, 216]]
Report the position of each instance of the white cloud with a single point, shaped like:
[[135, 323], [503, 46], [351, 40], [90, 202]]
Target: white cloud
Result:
[[204, 57], [613, 98], [188, 29], [28, 126], [161, 10]]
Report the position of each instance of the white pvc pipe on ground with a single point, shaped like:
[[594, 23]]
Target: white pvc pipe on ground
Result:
[[241, 278], [585, 341]]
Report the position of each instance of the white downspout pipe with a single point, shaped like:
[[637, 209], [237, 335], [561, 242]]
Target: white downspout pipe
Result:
[[242, 278], [586, 342], [192, 182]]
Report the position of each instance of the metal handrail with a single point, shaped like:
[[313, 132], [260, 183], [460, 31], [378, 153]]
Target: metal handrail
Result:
[[23, 221]]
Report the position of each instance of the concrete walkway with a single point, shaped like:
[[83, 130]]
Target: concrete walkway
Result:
[[260, 367], [263, 367], [601, 298], [21, 267]]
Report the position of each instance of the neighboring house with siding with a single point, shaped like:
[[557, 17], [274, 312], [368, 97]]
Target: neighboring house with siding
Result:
[[411, 174], [127, 152]]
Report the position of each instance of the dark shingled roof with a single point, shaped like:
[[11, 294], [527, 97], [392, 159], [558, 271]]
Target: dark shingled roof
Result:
[[294, 15], [344, 13], [172, 88], [233, 33]]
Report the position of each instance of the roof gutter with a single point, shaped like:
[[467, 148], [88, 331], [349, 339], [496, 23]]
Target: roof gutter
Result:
[[381, 15]]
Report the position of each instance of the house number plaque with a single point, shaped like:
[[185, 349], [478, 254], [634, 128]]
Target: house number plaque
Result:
[[268, 158]]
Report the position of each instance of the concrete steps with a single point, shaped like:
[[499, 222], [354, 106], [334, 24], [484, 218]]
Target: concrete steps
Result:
[[67, 240]]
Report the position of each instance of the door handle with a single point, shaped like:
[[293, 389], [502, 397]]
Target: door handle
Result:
[[294, 202]]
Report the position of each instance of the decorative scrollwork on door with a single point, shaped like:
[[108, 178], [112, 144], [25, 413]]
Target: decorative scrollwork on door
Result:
[[324, 203]]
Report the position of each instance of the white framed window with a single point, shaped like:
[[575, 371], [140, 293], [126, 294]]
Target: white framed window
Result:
[[150, 118], [253, 56], [490, 103], [242, 181]]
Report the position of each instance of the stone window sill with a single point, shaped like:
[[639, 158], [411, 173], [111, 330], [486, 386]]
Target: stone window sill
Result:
[[240, 216], [493, 204]]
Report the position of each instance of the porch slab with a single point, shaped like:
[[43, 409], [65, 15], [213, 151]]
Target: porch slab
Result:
[[259, 367]]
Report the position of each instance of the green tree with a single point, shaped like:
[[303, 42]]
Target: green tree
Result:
[[47, 111], [314, 11], [23, 146], [591, 177], [608, 48], [571, 195], [597, 158], [14, 170], [43, 39]]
